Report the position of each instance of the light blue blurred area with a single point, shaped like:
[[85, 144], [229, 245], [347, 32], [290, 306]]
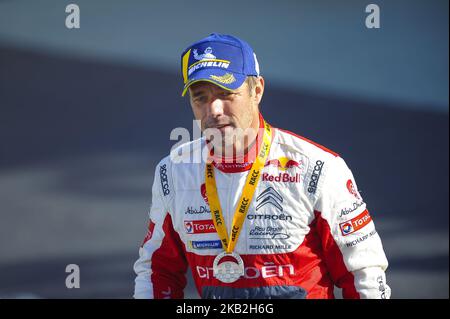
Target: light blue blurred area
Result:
[[316, 46]]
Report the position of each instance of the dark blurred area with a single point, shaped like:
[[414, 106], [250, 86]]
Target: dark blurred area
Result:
[[82, 126]]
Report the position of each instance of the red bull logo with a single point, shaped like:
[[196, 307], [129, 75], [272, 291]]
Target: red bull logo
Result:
[[281, 178], [284, 163]]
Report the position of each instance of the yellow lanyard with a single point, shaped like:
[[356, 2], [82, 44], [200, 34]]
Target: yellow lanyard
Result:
[[251, 182]]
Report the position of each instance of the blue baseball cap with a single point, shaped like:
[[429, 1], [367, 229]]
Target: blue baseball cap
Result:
[[221, 59]]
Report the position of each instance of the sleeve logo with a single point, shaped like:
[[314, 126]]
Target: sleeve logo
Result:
[[352, 189], [355, 224], [164, 180]]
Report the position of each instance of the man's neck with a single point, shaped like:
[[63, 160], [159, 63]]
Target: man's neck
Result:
[[240, 149]]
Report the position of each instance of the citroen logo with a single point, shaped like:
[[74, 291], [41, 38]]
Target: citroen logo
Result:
[[269, 196]]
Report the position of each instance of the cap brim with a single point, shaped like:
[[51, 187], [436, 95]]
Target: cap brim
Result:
[[223, 78]]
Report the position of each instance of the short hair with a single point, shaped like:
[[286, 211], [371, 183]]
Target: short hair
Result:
[[252, 82]]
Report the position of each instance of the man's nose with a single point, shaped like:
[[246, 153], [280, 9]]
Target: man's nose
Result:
[[215, 108]]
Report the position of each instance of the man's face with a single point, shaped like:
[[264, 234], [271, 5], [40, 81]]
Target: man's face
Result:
[[222, 109]]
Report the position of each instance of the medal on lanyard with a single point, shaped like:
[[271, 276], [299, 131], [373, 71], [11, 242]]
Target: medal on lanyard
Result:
[[230, 271]]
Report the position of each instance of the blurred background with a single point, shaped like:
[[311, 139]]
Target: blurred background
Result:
[[85, 115]]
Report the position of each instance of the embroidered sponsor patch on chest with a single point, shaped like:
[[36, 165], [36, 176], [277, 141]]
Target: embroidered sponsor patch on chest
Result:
[[199, 226]]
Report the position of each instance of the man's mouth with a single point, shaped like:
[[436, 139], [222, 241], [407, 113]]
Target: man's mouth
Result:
[[221, 126]]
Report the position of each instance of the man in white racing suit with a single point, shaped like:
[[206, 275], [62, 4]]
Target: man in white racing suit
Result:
[[280, 218]]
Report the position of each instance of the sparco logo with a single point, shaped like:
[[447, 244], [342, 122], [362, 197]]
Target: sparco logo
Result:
[[164, 181], [312, 186], [269, 196]]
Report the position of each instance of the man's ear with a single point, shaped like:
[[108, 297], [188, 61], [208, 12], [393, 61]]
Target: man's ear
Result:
[[259, 90]]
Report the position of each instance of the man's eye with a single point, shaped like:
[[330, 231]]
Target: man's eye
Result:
[[200, 99]]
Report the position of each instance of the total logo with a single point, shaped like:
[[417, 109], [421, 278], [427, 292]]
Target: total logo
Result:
[[283, 163], [199, 226], [355, 224], [347, 228]]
